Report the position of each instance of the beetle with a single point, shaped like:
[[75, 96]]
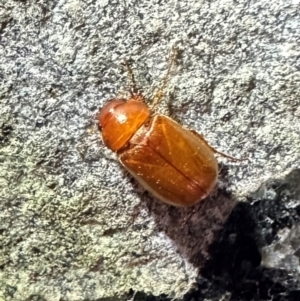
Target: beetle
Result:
[[175, 164]]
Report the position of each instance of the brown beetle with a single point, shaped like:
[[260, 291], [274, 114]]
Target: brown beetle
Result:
[[175, 164]]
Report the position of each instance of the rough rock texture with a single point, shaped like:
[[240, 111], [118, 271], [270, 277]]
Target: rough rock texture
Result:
[[73, 225]]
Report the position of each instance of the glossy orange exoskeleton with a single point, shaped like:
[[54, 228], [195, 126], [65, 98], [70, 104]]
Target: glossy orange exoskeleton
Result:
[[175, 164]]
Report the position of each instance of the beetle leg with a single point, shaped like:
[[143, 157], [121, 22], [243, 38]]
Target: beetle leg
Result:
[[160, 92], [214, 150], [133, 88]]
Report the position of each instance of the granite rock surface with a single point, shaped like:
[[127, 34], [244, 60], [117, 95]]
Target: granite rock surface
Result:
[[74, 225]]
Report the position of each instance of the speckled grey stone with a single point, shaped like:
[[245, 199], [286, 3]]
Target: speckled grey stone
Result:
[[73, 225]]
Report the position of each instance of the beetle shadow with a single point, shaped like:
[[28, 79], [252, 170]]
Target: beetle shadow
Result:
[[225, 243], [236, 264], [224, 238], [194, 229]]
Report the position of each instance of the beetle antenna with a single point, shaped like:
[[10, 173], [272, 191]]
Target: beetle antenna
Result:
[[133, 88], [159, 93]]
